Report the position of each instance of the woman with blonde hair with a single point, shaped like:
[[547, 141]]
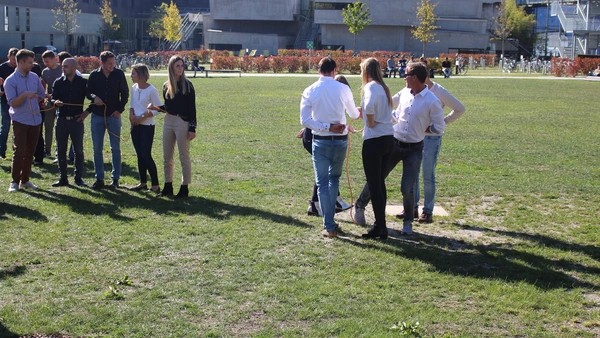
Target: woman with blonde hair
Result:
[[378, 137], [179, 126], [142, 122]]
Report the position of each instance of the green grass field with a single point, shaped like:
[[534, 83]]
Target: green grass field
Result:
[[518, 256]]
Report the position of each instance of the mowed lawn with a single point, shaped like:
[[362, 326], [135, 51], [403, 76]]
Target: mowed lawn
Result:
[[518, 256]]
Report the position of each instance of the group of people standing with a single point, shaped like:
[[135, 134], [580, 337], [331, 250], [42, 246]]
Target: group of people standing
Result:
[[23, 93], [409, 133]]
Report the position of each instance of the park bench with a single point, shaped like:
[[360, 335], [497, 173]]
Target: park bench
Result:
[[206, 71]]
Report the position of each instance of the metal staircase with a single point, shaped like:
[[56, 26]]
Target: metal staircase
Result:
[[308, 32], [580, 22], [189, 23]]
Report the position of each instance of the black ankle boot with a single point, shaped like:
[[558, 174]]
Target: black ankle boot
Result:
[[183, 192], [167, 190]]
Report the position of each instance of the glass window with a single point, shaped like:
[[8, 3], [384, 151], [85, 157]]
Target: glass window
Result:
[[27, 20], [17, 19]]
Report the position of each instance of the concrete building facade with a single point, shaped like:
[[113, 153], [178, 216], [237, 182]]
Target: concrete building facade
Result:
[[27, 23], [464, 25]]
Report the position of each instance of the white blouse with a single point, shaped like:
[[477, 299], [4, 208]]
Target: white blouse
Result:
[[140, 98]]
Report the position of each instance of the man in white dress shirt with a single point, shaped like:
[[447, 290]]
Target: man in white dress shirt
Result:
[[419, 111], [322, 110]]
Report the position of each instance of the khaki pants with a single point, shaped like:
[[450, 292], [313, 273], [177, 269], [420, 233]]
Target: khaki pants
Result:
[[49, 120], [175, 131]]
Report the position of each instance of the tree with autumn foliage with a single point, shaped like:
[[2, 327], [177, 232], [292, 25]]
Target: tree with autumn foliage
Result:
[[172, 23], [66, 18], [424, 31], [110, 28]]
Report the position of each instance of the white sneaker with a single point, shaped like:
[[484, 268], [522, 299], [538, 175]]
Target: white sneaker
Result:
[[359, 215], [14, 186], [407, 228], [340, 205], [28, 185], [314, 209]]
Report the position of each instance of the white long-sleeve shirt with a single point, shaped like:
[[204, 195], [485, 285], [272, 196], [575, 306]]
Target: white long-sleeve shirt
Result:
[[140, 98], [323, 104], [448, 100], [417, 112]]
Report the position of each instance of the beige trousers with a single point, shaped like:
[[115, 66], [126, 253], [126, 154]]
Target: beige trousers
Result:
[[175, 131]]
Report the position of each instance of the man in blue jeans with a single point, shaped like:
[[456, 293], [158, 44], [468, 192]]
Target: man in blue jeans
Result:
[[431, 150], [322, 110], [6, 69], [419, 112], [109, 92]]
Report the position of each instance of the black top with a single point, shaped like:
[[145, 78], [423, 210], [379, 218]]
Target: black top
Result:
[[69, 92], [182, 105], [113, 90], [446, 64], [6, 70]]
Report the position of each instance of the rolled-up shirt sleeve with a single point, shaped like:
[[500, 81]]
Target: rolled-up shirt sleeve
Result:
[[349, 103]]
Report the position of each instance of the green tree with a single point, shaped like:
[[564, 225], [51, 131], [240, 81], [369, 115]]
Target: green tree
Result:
[[157, 28], [356, 17], [110, 29], [512, 21], [172, 23], [66, 18], [424, 31]]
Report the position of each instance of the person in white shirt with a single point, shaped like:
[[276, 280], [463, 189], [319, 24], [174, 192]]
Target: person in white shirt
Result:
[[378, 143], [142, 121], [418, 112], [431, 150], [322, 110]]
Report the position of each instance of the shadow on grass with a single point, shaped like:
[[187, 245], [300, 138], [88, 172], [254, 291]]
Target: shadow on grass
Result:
[[120, 199], [6, 333], [501, 261], [20, 212], [12, 271]]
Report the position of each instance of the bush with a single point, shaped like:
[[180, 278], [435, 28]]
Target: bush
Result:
[[304, 64], [88, 63], [261, 64], [246, 64], [277, 64], [292, 63], [559, 66], [354, 65], [586, 65], [224, 62]]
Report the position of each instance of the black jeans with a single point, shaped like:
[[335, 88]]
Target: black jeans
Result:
[[376, 153], [65, 128], [142, 137], [411, 156]]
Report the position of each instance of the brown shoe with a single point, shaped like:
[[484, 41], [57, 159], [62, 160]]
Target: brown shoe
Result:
[[401, 215], [425, 218], [329, 234]]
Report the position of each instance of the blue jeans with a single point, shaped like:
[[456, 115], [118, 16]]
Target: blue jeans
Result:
[[328, 162], [447, 72], [410, 155], [98, 128], [431, 150], [5, 128]]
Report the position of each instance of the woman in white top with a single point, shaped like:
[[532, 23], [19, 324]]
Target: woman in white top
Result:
[[142, 122], [378, 143]]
